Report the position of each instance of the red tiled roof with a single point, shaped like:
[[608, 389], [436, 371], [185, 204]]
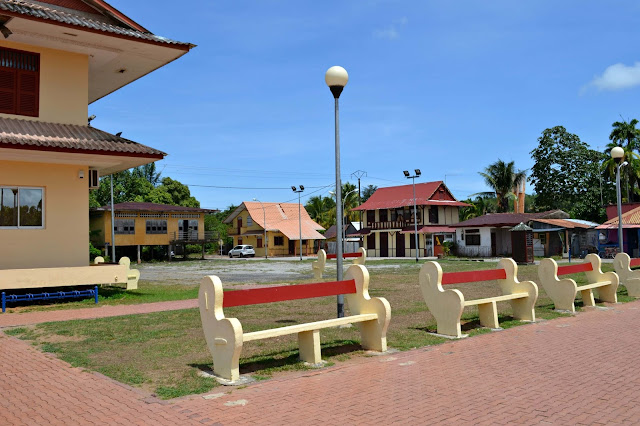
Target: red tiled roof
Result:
[[506, 219], [630, 219], [110, 21], [28, 134], [153, 207], [402, 196]]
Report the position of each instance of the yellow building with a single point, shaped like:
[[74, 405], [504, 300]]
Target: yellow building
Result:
[[280, 220], [56, 57], [149, 224]]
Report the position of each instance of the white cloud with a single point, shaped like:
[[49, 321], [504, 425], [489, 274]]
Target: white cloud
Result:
[[617, 77], [392, 31]]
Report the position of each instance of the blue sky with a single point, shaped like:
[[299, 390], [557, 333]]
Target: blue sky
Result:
[[446, 87]]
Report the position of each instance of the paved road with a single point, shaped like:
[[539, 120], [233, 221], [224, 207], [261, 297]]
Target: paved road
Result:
[[578, 370]]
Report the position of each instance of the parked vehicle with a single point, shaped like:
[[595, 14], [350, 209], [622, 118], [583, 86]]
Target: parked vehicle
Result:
[[242, 251]]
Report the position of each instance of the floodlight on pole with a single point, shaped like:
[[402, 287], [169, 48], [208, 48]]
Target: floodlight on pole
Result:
[[415, 214], [617, 153], [264, 220], [298, 191], [336, 78]]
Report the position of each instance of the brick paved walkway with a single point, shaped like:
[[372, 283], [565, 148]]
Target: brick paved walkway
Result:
[[29, 318], [578, 370]]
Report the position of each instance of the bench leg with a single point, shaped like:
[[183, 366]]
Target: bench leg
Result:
[[488, 313], [371, 336], [587, 298], [608, 294], [309, 344], [523, 309], [633, 286]]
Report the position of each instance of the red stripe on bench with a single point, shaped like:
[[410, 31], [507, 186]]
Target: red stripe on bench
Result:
[[635, 262], [574, 269], [345, 255], [472, 276], [287, 292]]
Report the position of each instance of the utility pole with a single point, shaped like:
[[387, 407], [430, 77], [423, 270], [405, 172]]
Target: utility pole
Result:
[[359, 174]]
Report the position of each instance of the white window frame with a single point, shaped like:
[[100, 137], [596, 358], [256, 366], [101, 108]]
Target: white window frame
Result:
[[43, 206]]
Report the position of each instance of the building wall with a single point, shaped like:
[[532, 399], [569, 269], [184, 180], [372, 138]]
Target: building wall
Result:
[[102, 223], [483, 250], [64, 85], [64, 241]]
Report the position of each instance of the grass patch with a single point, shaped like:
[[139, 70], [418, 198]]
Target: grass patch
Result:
[[164, 352]]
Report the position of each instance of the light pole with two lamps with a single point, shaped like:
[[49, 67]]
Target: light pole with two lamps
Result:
[[336, 78], [617, 154], [264, 222], [415, 215], [298, 191]]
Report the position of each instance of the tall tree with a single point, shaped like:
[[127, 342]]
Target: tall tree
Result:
[[502, 178], [147, 172], [368, 192], [566, 175], [319, 209]]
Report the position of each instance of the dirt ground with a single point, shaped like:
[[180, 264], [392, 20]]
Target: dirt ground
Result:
[[241, 271]]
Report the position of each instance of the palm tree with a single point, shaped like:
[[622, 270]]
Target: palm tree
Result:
[[478, 207], [503, 178], [630, 174], [319, 208], [148, 172], [625, 135]]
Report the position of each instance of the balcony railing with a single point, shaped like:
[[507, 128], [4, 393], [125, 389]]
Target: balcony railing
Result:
[[195, 236], [390, 224]]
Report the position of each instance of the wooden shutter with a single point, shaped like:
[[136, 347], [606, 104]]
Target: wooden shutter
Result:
[[19, 82], [28, 86], [7, 91]]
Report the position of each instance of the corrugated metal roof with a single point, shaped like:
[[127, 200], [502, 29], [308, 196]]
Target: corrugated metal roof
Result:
[[568, 223], [16, 133], [630, 219], [72, 17], [505, 219], [402, 196], [153, 207]]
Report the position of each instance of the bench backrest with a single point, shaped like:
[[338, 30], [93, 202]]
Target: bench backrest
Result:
[[344, 255], [574, 269], [473, 276], [287, 292]]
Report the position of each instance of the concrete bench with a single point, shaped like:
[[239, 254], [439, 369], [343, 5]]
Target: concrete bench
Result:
[[317, 266], [563, 291], [225, 337], [447, 305], [622, 264], [133, 275]]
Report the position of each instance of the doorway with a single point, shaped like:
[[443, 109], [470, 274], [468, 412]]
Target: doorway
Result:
[[384, 244], [399, 245]]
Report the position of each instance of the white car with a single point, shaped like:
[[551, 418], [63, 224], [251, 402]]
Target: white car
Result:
[[242, 251]]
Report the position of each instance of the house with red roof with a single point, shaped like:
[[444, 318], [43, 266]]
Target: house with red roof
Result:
[[137, 225], [56, 58], [608, 237], [389, 224], [285, 224]]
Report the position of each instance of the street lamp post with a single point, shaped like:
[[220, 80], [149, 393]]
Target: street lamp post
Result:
[[298, 191], [617, 154], [344, 201], [336, 78], [415, 215], [264, 222]]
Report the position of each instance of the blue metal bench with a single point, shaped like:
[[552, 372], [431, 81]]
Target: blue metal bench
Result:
[[13, 298]]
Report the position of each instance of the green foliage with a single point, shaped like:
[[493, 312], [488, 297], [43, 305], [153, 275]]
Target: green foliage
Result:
[[320, 209], [566, 175], [94, 252], [479, 207], [141, 185], [367, 192], [502, 178], [626, 136]]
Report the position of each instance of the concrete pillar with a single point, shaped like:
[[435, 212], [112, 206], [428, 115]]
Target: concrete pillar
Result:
[[169, 252], [202, 251], [139, 260]]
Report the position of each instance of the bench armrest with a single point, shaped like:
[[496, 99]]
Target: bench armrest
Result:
[[223, 335], [445, 305], [374, 336]]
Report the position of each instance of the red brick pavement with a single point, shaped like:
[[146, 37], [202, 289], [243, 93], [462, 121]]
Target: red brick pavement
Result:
[[578, 370], [29, 318]]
